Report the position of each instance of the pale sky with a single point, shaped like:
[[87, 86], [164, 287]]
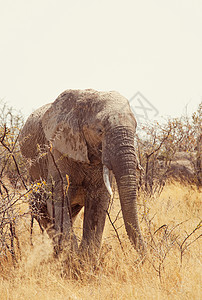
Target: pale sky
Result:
[[151, 46]]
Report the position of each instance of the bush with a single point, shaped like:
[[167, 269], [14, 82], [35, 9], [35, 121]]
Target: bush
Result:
[[11, 180], [171, 151]]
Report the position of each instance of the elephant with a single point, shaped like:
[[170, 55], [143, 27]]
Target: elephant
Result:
[[91, 139]]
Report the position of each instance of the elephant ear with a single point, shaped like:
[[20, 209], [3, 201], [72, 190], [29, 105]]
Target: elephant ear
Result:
[[61, 128]]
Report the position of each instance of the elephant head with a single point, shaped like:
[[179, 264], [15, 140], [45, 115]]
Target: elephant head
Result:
[[94, 129]]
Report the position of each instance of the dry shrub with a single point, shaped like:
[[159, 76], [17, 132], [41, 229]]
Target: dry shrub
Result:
[[170, 151], [168, 272]]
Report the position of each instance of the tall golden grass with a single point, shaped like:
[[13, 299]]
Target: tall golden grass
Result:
[[171, 269]]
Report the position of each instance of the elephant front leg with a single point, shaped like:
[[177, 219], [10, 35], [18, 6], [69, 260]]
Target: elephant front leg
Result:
[[96, 205], [61, 230], [58, 204]]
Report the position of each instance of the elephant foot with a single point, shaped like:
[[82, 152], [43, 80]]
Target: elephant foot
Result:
[[89, 253], [65, 241]]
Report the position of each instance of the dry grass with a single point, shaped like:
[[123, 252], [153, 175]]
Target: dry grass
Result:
[[166, 221]]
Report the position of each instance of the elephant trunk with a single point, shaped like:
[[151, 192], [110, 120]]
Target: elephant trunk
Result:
[[127, 194], [123, 164]]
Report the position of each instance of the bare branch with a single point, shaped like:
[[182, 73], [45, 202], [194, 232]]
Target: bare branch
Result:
[[110, 220]]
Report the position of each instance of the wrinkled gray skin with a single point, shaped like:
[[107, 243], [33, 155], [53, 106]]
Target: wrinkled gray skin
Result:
[[88, 130]]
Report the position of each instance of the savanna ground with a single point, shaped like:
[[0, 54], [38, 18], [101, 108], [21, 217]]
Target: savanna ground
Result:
[[170, 224]]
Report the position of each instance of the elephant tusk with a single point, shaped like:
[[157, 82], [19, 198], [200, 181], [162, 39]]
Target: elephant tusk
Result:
[[106, 179]]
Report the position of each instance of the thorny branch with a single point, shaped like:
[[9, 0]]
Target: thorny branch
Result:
[[112, 223], [13, 157]]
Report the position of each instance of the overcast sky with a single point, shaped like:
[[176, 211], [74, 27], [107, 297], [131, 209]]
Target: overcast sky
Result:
[[150, 46]]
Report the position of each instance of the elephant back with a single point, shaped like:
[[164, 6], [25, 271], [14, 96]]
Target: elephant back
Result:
[[32, 133]]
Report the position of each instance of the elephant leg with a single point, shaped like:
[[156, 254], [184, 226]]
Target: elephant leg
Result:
[[95, 210], [57, 205]]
